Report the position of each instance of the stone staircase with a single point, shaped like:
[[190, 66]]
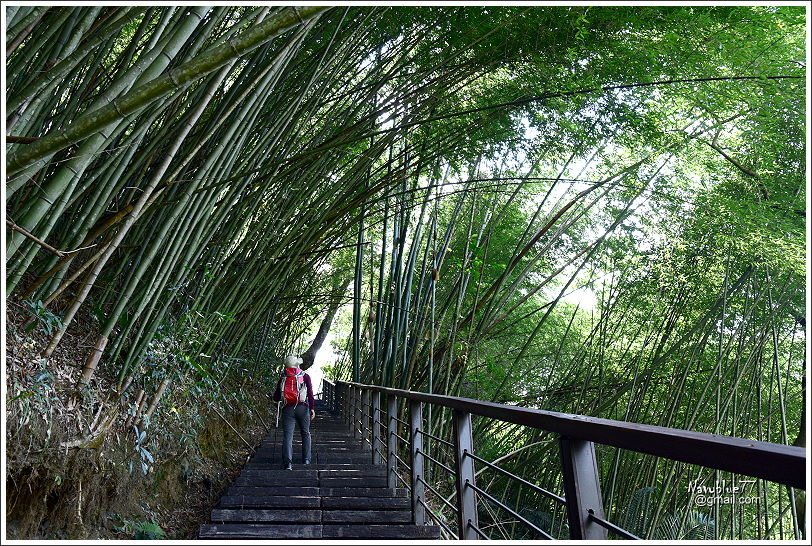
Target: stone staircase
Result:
[[341, 495]]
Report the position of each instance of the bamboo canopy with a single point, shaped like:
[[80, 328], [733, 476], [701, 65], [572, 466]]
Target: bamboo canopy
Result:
[[595, 210]]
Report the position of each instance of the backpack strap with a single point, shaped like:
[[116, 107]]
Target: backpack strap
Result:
[[297, 376], [303, 385]]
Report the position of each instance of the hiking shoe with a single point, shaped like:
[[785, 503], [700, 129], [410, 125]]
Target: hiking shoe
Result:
[[289, 466]]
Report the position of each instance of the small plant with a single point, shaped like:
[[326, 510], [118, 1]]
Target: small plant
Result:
[[147, 530], [41, 315], [139, 530], [97, 312], [145, 456]]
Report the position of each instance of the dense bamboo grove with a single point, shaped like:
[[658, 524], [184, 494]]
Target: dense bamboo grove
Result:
[[203, 184]]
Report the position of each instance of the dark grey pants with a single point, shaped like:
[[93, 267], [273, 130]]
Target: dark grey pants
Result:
[[290, 416]]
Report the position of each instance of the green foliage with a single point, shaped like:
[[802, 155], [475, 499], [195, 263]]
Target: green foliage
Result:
[[41, 389], [147, 530], [544, 521], [141, 530], [617, 218], [694, 526], [145, 457], [636, 518], [41, 316]]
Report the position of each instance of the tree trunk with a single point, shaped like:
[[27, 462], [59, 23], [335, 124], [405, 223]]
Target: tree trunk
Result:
[[156, 399], [309, 355]]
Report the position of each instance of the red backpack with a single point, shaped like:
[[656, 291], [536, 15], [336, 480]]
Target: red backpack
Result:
[[293, 387]]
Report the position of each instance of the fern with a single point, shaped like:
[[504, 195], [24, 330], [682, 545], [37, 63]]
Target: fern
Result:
[[637, 517], [147, 530], [700, 527], [695, 526], [670, 528]]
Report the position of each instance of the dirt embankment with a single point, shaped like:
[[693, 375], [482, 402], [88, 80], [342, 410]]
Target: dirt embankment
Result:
[[81, 465]]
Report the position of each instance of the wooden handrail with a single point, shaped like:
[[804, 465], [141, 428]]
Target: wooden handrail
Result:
[[773, 462]]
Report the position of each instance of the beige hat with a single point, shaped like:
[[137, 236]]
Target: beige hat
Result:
[[293, 361]]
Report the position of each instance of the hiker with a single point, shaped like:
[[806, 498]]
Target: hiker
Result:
[[295, 390]]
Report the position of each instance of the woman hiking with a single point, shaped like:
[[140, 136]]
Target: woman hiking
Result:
[[296, 391]]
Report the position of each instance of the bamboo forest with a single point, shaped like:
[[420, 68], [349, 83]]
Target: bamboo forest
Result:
[[544, 267]]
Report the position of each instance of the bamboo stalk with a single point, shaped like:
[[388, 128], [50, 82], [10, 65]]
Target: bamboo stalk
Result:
[[208, 62]]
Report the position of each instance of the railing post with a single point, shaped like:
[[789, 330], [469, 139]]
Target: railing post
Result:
[[391, 441], [416, 461], [467, 518], [365, 418], [351, 408], [356, 424], [345, 401], [582, 488], [341, 400], [347, 394], [330, 398], [350, 403], [376, 428]]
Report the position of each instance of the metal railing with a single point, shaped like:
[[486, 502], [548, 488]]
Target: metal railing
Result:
[[361, 406], [328, 394]]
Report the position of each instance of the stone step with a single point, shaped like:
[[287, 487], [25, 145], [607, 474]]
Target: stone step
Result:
[[302, 472], [394, 532], [270, 501], [271, 491], [364, 481], [297, 450], [341, 495], [298, 466], [365, 503], [258, 515], [305, 471], [275, 491], [279, 479], [223, 515], [258, 531], [275, 531], [319, 458], [377, 492], [366, 516]]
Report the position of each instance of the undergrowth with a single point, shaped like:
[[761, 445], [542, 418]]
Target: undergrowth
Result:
[[79, 466]]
